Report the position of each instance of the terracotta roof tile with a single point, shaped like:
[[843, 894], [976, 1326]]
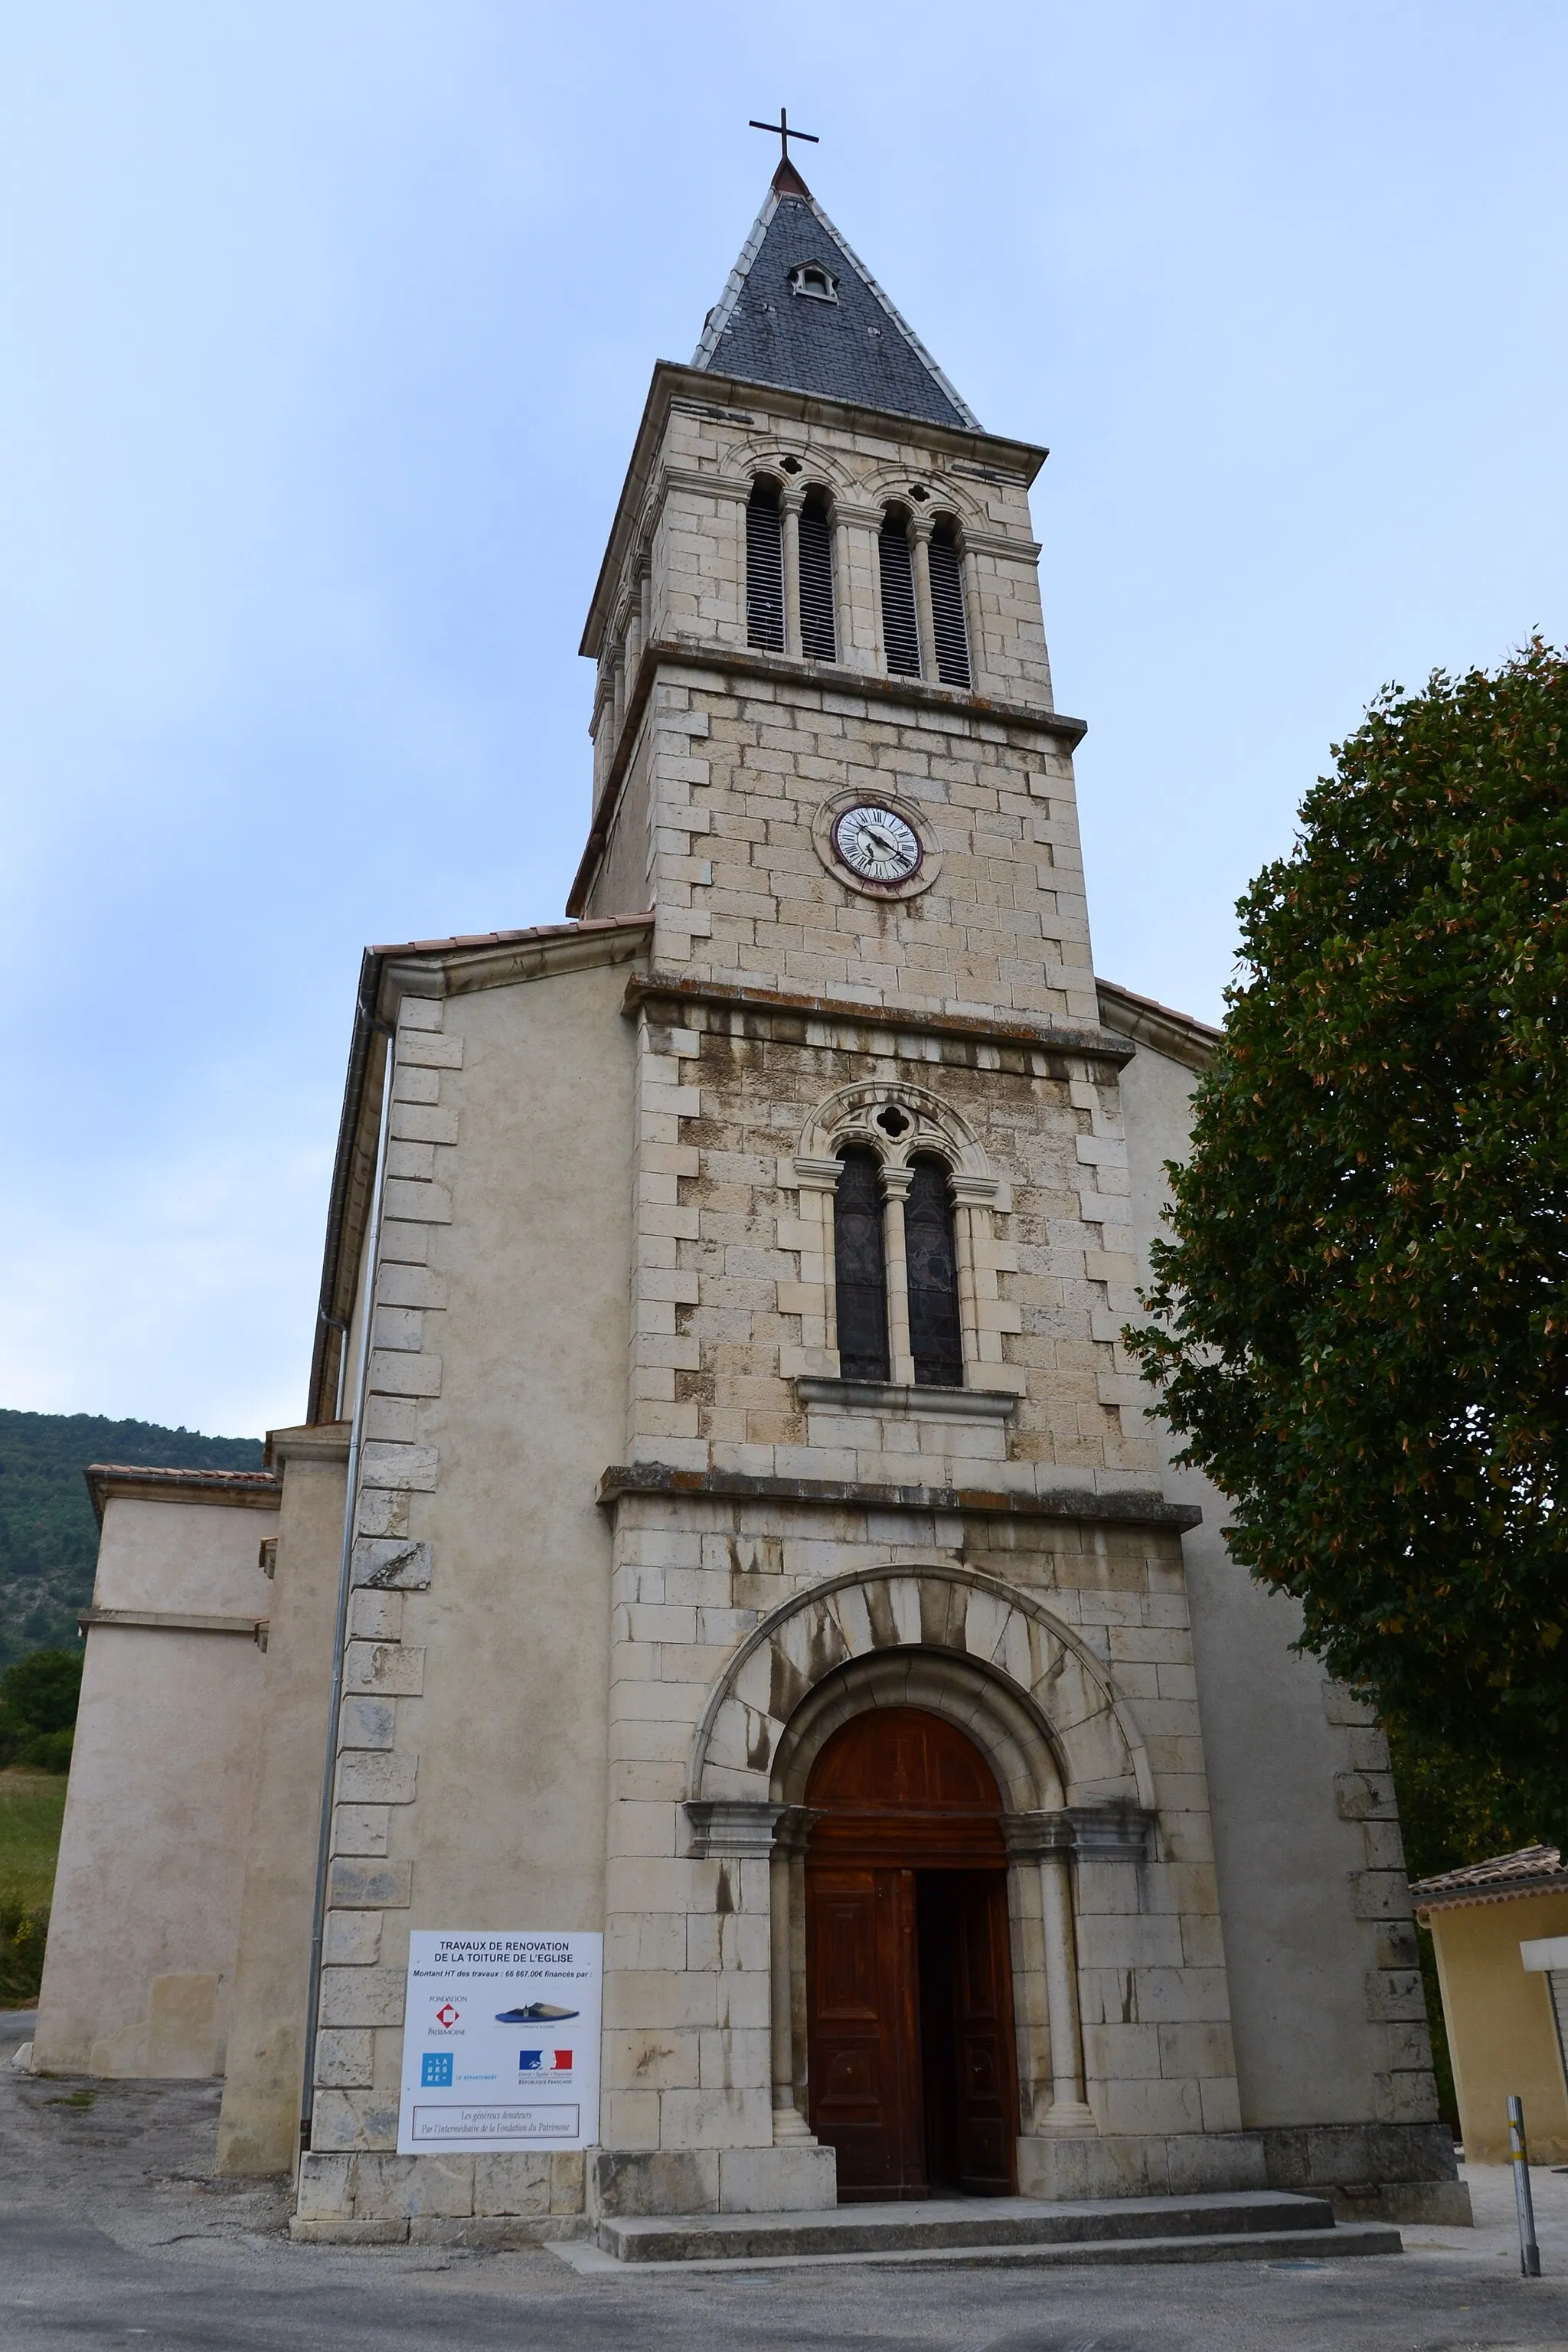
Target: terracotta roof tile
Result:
[[1534, 1869]]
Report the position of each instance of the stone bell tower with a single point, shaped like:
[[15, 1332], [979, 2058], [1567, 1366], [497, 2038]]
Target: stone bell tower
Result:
[[722, 1538], [880, 1450]]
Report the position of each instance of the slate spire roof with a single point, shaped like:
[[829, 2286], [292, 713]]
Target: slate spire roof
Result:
[[851, 344]]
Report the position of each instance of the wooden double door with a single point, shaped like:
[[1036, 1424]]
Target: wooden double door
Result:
[[910, 2055]]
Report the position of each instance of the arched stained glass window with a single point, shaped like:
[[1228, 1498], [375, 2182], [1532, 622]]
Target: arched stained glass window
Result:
[[860, 1266], [936, 1341]]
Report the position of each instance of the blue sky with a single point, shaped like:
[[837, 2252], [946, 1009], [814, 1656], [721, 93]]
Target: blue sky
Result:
[[327, 329]]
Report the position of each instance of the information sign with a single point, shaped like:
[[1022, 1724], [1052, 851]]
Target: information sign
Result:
[[501, 2042]]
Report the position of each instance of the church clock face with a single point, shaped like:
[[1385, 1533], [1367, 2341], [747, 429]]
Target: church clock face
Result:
[[876, 845]]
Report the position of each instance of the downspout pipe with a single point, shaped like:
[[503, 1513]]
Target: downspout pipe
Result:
[[345, 1568]]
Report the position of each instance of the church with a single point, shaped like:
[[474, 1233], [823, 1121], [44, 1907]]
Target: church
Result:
[[725, 1703]]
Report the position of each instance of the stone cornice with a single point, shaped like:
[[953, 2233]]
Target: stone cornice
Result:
[[1175, 1034], [673, 988], [826, 677], [1128, 1505], [175, 1621], [503, 959], [320, 1441], [120, 1482]]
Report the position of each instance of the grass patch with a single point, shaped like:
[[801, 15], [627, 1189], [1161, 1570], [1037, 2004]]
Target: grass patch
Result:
[[32, 1806]]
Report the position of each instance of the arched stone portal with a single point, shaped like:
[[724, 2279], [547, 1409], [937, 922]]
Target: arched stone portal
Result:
[[1068, 1764]]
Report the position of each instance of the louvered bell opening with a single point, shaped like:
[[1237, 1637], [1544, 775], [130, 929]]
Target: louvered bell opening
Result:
[[818, 637], [947, 611], [860, 1267], [931, 1256], [764, 569], [900, 630]]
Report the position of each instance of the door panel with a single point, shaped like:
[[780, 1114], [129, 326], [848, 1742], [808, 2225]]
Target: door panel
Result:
[[983, 2032], [862, 2055], [910, 2065]]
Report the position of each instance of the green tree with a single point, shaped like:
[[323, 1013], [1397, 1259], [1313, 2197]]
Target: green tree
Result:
[[38, 1699], [1358, 1321]]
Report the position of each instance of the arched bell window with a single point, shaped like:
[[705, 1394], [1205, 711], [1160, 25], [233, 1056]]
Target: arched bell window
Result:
[[901, 625], [947, 607], [818, 636], [931, 1257], [764, 568], [860, 1266]]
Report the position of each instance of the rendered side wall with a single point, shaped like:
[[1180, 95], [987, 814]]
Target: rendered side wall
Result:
[[474, 1747], [1501, 2038], [510, 1821], [145, 1920], [1327, 2004], [259, 2127]]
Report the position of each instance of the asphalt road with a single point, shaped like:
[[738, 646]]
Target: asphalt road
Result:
[[115, 2231]]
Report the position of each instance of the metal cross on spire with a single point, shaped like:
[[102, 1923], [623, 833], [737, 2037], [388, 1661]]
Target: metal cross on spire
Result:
[[783, 132]]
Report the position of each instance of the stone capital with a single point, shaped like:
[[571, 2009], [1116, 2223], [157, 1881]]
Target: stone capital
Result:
[[1113, 1832], [732, 1826]]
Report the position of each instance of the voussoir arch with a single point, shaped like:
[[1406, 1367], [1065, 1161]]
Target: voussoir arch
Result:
[[937, 1608], [852, 1110]]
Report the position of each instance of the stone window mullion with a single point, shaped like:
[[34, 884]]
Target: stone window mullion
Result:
[[896, 1182], [843, 583], [969, 573], [920, 557]]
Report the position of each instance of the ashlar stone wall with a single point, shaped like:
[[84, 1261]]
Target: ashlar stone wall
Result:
[[680, 577], [731, 1288]]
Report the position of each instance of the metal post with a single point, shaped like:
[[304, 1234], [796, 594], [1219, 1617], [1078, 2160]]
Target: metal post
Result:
[[1528, 2251]]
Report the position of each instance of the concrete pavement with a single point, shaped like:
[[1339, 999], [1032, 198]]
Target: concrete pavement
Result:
[[115, 2232]]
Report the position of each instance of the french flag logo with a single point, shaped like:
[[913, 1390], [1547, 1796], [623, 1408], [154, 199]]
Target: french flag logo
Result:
[[544, 2062]]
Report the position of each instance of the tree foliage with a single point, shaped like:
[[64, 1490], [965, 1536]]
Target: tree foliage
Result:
[[48, 1540], [1358, 1321], [38, 1699]]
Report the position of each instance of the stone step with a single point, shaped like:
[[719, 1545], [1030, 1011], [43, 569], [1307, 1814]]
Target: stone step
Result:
[[1299, 2248], [1241, 2226]]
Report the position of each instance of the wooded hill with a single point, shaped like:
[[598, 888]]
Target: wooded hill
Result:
[[49, 1536]]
